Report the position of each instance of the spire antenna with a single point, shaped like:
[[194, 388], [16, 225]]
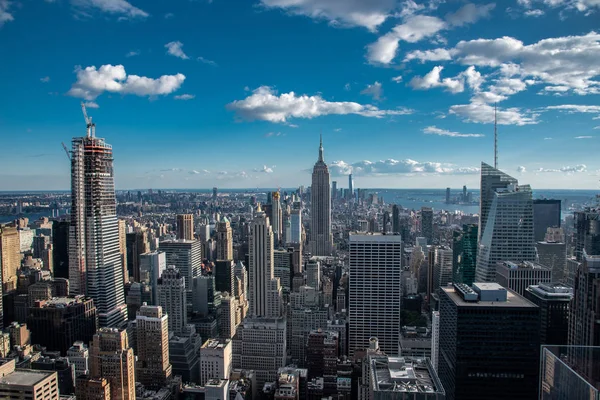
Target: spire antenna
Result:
[[321, 147], [495, 137]]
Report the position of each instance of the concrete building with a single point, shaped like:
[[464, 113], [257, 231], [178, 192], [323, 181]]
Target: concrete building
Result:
[[375, 291], [79, 356], [321, 238], [172, 299], [552, 253], [276, 218], [295, 224], [92, 389], [554, 301], [489, 343], [442, 268], [113, 359], [27, 384], [313, 274], [224, 240], [152, 266], [184, 351], [186, 255], [519, 276], [185, 226], [435, 339], [136, 244], [95, 264], [283, 268], [152, 347], [224, 275], [215, 360], [322, 354], [10, 256], [546, 214], [427, 223], [229, 317]]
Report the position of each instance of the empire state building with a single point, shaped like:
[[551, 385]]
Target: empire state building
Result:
[[321, 240]]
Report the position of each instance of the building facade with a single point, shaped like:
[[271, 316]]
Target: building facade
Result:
[[321, 239]]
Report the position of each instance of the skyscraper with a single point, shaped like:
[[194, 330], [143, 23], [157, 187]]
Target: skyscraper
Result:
[[152, 328], [427, 223], [136, 244], [375, 291], [587, 232], [508, 230], [152, 266], [276, 224], [554, 301], [546, 214], [321, 242], [296, 224], [172, 298], [186, 255], [224, 240], [265, 290], [464, 248], [350, 187], [95, 267], [396, 219], [10, 257], [185, 226], [491, 179], [60, 247]]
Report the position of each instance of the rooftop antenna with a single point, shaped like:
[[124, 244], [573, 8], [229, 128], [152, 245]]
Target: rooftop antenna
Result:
[[495, 137]]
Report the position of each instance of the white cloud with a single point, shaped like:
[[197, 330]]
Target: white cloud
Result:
[[586, 6], [347, 87], [265, 169], [45, 79], [369, 14], [409, 7], [547, 138], [92, 82], [375, 91], [432, 80], [575, 108], [567, 169], [185, 96], [207, 61], [474, 78], [414, 29], [428, 55], [482, 113], [272, 134], [91, 104], [397, 79], [534, 13], [433, 130], [583, 137], [175, 49], [119, 7], [5, 16], [393, 167], [133, 53], [469, 13], [521, 169], [264, 104]]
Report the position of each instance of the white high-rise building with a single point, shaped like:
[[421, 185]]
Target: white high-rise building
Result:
[[152, 266], [224, 240], [79, 355], [435, 338], [215, 360], [491, 179], [508, 231], [442, 270], [296, 224], [172, 299], [152, 350], [276, 214], [186, 255], [321, 239], [95, 264], [375, 291], [264, 288]]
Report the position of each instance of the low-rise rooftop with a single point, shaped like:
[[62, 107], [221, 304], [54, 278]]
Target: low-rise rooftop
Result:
[[403, 374]]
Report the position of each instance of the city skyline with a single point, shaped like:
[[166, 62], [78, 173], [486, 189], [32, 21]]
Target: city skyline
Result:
[[406, 100]]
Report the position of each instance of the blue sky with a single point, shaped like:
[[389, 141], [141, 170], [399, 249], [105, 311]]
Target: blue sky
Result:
[[234, 93]]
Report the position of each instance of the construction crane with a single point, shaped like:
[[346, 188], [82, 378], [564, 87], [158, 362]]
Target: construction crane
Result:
[[66, 150], [91, 127]]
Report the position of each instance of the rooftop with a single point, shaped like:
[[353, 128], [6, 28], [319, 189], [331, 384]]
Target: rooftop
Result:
[[512, 298], [216, 343], [24, 377], [522, 265], [403, 374]]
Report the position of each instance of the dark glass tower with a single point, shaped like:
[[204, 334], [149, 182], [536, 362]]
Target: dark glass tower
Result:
[[60, 248], [464, 254], [546, 214]]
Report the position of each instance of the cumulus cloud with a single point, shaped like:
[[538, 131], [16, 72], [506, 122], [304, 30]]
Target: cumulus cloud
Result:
[[397, 79], [469, 13], [368, 14], [92, 82], [575, 108], [521, 169], [414, 29], [5, 16], [121, 8], [567, 169], [176, 49], [265, 169], [428, 55], [391, 166], [433, 80], [375, 91], [482, 113], [433, 130], [91, 104], [185, 96], [534, 13], [587, 6], [265, 104]]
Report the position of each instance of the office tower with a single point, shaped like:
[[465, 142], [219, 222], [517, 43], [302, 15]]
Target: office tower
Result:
[[561, 374], [265, 292], [552, 253], [64, 369], [206, 297], [587, 232], [172, 298], [386, 225], [39, 245], [283, 267], [57, 323], [375, 291], [186, 255], [229, 316], [447, 195], [136, 245], [442, 268], [215, 360], [10, 257], [303, 317], [464, 194], [92, 389], [184, 351], [322, 354], [334, 190], [519, 276], [489, 343], [275, 219], [79, 356], [350, 187], [260, 345], [215, 193], [313, 274], [554, 300], [185, 227], [19, 334], [508, 232], [60, 247], [123, 248], [546, 214], [152, 347], [95, 268], [27, 384], [464, 258], [396, 219], [152, 266], [427, 223], [296, 224], [491, 180], [435, 339], [321, 239], [113, 359], [224, 240], [224, 275]]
